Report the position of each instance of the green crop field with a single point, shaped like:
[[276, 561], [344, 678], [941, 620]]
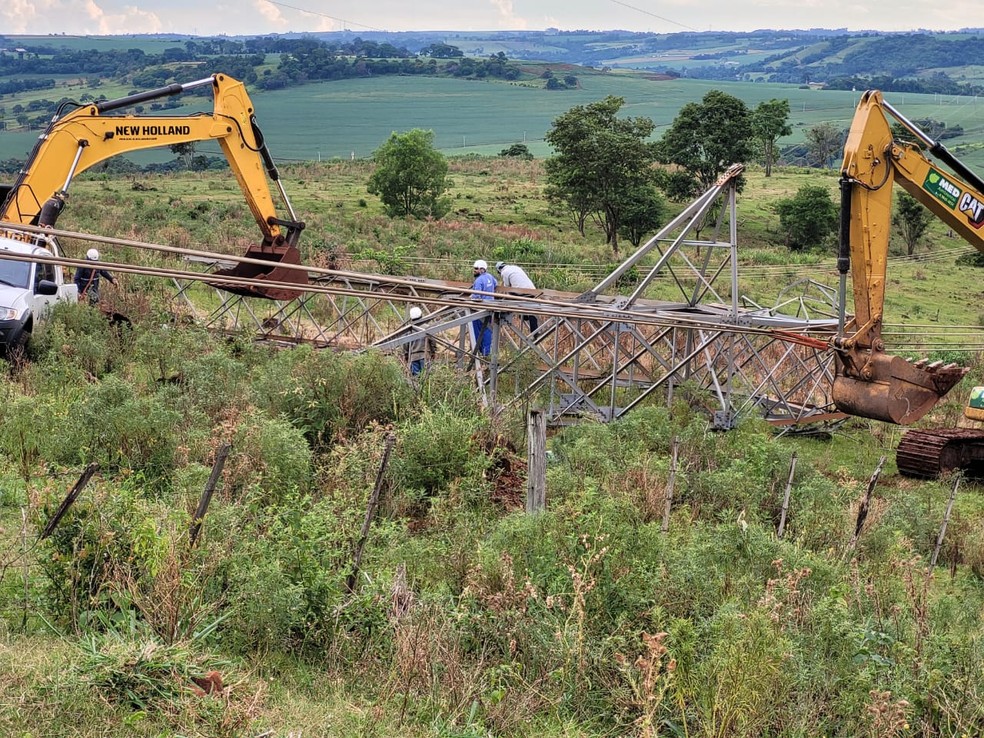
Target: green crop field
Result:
[[147, 44], [351, 118]]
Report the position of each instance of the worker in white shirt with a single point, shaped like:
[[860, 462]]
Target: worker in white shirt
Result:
[[513, 276]]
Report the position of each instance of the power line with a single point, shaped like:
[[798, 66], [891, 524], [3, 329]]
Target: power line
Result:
[[646, 12], [325, 15]]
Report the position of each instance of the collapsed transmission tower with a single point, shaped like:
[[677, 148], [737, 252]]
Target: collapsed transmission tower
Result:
[[684, 326]]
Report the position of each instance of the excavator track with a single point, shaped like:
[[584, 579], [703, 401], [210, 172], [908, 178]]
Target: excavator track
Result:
[[926, 454]]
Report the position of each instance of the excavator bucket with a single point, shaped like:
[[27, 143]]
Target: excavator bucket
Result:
[[898, 391], [275, 272]]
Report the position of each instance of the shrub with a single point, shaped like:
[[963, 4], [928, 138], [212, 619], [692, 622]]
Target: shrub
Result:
[[79, 337], [328, 395], [809, 218], [299, 559], [105, 543], [113, 426], [434, 449], [269, 453]]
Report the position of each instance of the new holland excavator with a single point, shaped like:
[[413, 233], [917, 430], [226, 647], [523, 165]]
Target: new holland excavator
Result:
[[870, 383], [88, 134]]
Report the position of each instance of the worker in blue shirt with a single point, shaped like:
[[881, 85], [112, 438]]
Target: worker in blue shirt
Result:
[[481, 329]]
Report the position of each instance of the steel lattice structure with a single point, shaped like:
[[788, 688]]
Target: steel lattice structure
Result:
[[596, 354]]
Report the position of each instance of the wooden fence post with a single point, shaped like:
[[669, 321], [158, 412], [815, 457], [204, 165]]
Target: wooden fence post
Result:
[[69, 499], [370, 514], [536, 465], [785, 497], [946, 520], [863, 509], [213, 480]]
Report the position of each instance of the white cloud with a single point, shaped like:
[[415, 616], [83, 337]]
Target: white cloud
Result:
[[92, 17], [315, 22], [270, 13], [507, 17], [130, 19], [18, 16], [76, 17]]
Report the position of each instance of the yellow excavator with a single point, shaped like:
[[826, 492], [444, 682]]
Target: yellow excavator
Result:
[[870, 383], [88, 134]]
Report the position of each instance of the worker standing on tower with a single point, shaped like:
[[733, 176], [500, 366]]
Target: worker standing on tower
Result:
[[421, 350], [514, 276], [484, 283]]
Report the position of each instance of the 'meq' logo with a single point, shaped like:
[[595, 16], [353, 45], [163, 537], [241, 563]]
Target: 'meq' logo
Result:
[[941, 188], [973, 208]]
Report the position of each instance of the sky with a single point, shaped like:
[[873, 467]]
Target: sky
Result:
[[238, 17]]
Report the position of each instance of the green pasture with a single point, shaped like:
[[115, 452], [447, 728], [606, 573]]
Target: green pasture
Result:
[[147, 44], [351, 118]]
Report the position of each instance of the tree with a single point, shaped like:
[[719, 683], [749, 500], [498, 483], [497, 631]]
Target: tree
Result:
[[912, 220], [517, 150], [808, 218], [704, 140], [410, 176], [184, 151], [442, 51], [643, 212], [770, 121], [599, 160], [823, 141]]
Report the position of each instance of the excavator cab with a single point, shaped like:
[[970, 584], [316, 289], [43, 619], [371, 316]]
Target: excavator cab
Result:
[[974, 409]]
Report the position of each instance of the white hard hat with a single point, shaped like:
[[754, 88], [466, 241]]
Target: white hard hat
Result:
[[92, 255], [499, 265], [415, 313], [480, 264]]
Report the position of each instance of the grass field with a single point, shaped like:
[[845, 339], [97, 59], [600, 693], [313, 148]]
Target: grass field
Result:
[[147, 44], [351, 118], [516, 625]]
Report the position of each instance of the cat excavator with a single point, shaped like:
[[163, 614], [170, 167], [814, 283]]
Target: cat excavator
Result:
[[870, 383], [88, 134]]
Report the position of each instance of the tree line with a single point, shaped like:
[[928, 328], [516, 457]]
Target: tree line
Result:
[[299, 61], [608, 170]]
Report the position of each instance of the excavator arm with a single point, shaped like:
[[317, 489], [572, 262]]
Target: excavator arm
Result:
[[90, 134], [869, 382]]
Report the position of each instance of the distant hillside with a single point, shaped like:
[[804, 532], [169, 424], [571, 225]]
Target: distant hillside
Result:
[[951, 63], [503, 87]]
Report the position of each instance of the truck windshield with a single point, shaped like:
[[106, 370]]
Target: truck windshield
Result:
[[15, 273]]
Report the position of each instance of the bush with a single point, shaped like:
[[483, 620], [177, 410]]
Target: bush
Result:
[[434, 450], [79, 337], [98, 553], [809, 218], [327, 395], [269, 453], [517, 150], [119, 430], [299, 559]]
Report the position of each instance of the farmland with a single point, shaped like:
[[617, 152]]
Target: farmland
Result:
[[470, 618], [467, 617], [349, 118]]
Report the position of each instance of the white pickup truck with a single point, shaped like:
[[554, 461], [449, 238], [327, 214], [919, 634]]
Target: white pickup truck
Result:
[[28, 290]]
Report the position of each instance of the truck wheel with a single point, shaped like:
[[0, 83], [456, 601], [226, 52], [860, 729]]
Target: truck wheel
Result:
[[19, 349]]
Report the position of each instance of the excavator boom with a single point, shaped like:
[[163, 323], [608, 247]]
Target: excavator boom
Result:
[[92, 133], [869, 382]]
